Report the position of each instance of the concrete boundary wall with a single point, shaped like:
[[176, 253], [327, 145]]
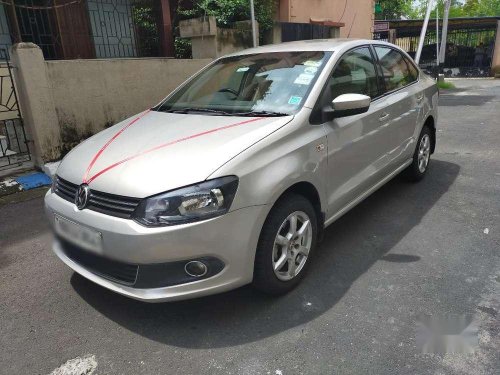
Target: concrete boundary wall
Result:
[[66, 101]]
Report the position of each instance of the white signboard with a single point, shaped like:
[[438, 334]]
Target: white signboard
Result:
[[380, 26]]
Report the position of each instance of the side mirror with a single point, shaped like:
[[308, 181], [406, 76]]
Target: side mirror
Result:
[[347, 105]]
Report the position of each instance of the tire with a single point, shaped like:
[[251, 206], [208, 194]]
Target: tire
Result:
[[290, 254], [418, 168]]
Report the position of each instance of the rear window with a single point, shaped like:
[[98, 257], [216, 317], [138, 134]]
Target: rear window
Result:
[[395, 70], [413, 69]]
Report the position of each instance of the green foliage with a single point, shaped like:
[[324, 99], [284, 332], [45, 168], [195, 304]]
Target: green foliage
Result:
[[473, 8], [183, 48], [228, 11], [145, 22], [462, 8], [394, 9], [444, 85], [144, 16]]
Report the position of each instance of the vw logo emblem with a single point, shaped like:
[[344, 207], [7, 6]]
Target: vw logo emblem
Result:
[[82, 196]]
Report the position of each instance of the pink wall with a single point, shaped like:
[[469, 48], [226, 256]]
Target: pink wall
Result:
[[356, 14]]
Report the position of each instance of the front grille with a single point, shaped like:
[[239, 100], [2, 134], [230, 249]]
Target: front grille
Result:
[[65, 189], [122, 273], [109, 204]]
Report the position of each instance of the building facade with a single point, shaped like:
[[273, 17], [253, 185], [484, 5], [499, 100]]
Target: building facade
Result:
[[354, 19], [69, 29]]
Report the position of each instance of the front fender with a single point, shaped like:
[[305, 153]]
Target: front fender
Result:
[[290, 155]]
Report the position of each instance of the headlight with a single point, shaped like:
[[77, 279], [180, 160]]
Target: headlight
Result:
[[193, 203]]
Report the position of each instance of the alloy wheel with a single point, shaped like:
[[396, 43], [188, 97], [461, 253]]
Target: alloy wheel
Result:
[[292, 245], [424, 153]]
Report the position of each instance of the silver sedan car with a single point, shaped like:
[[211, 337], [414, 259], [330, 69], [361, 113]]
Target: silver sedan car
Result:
[[234, 176]]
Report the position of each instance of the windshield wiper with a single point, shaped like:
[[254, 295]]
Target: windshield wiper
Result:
[[225, 113], [262, 113], [193, 109]]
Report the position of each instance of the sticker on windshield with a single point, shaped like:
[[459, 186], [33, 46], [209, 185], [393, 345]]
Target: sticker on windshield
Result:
[[242, 69], [312, 63], [295, 100], [303, 79], [310, 70]]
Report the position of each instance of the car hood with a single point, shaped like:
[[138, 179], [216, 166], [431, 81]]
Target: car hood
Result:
[[162, 151]]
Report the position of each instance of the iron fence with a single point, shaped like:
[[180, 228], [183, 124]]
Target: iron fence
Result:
[[35, 25], [469, 48], [14, 149], [303, 31], [69, 29]]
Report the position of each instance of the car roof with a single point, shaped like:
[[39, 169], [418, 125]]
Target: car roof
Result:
[[308, 45]]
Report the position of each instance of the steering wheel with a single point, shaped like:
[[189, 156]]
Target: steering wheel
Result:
[[231, 91]]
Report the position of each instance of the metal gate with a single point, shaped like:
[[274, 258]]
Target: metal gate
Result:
[[303, 31], [469, 48], [36, 26], [462, 50], [14, 150]]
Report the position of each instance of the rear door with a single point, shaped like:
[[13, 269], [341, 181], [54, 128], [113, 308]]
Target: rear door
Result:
[[402, 101]]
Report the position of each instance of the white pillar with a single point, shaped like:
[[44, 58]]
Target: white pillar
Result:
[[444, 34], [424, 30], [252, 17], [437, 38], [36, 101]]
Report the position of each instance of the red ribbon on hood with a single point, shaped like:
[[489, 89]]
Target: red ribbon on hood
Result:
[[88, 180]]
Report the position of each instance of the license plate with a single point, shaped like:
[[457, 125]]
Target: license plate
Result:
[[84, 237]]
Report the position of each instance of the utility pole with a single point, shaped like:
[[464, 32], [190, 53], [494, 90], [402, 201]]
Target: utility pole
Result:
[[444, 34], [252, 17], [16, 32], [437, 39], [430, 4]]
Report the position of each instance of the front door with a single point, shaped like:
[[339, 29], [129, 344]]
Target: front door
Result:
[[357, 145]]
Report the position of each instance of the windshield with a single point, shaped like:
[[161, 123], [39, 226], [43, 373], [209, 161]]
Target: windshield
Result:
[[274, 83]]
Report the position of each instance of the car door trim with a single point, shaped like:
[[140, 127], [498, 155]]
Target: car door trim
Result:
[[366, 193]]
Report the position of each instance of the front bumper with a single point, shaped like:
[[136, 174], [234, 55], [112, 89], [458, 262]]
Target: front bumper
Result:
[[231, 238]]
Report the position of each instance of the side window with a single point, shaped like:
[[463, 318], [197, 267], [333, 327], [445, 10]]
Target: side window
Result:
[[354, 74], [395, 70]]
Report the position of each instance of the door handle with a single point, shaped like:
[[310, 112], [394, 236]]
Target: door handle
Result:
[[420, 98], [383, 117]]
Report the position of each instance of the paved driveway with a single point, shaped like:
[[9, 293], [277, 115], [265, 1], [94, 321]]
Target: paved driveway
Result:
[[430, 248]]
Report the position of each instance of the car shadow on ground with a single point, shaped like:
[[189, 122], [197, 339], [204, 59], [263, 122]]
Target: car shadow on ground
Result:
[[351, 246]]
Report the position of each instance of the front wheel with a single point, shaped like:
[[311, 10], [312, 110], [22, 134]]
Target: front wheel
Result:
[[285, 246], [421, 157]]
